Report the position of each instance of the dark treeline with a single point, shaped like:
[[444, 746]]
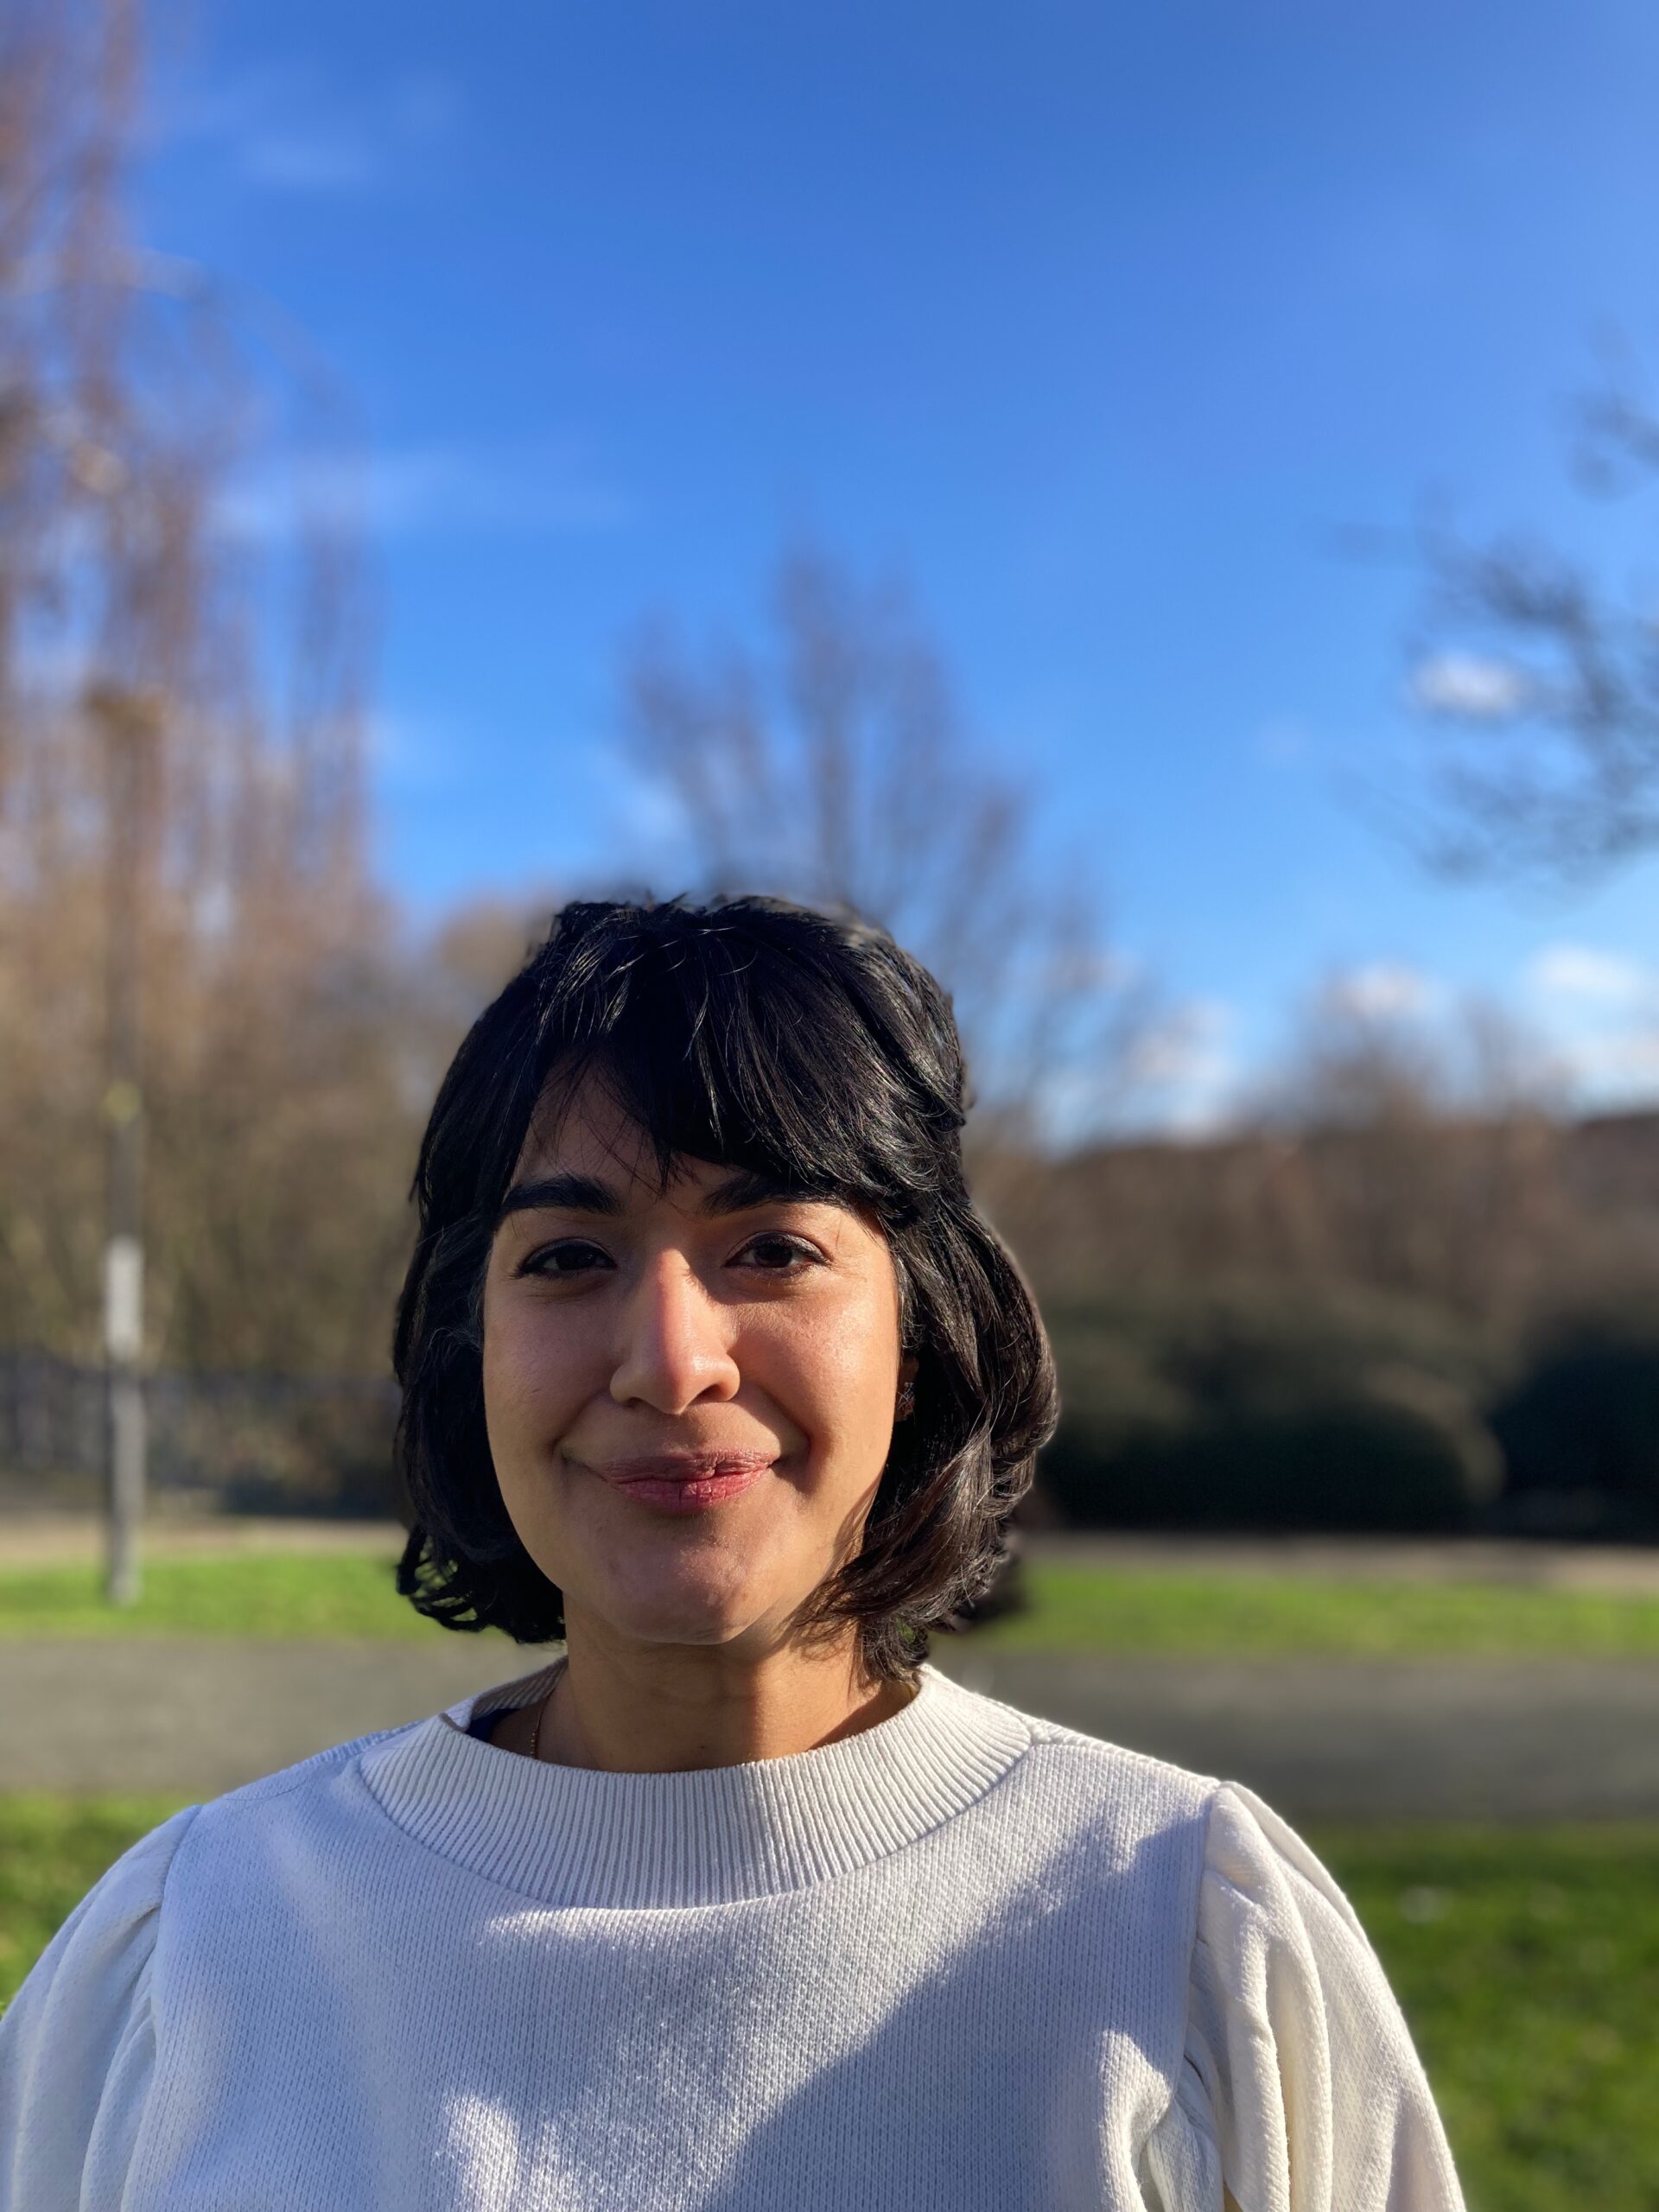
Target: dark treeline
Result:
[[1434, 1321]]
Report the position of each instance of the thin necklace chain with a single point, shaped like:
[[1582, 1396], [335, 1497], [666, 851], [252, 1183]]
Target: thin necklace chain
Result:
[[545, 1699]]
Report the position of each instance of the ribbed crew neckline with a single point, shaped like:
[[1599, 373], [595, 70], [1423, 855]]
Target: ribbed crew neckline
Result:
[[572, 1836]]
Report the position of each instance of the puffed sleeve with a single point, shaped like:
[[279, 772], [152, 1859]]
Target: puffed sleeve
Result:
[[77, 2043], [1301, 2091]]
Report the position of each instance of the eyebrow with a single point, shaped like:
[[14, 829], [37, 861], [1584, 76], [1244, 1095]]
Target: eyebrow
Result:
[[568, 1193]]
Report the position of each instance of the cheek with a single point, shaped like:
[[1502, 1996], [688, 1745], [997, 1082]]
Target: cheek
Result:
[[535, 1376], [837, 1376]]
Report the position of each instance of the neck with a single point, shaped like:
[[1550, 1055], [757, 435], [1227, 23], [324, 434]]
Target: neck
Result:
[[651, 1708]]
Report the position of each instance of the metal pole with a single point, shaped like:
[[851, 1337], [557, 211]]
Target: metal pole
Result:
[[125, 729]]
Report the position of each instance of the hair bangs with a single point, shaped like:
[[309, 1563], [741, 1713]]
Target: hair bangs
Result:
[[717, 1045]]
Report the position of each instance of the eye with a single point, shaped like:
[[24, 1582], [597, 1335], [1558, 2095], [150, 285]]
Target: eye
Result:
[[776, 1253], [575, 1255]]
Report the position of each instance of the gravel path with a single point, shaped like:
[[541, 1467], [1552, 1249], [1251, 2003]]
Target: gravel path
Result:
[[35, 1538], [1502, 1740], [1627, 1570], [1494, 1739]]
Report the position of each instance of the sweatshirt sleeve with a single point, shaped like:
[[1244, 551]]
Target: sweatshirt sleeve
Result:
[[77, 2044], [1301, 2090]]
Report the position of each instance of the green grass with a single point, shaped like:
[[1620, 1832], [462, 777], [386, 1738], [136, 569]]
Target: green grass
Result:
[[1527, 1963], [299, 1594], [52, 1850], [350, 1595], [1097, 1609]]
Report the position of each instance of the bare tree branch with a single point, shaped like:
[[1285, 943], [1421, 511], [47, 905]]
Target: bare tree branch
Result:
[[130, 399], [1544, 678], [832, 766]]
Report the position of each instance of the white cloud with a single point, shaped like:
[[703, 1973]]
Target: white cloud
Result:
[[54, 663], [1382, 991], [314, 161], [1283, 744], [1469, 684], [1091, 968], [1612, 1066], [288, 130], [648, 818], [411, 753], [1185, 1068], [539, 487], [1578, 971], [1599, 1011]]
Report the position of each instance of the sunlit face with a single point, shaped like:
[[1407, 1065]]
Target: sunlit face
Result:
[[689, 1392]]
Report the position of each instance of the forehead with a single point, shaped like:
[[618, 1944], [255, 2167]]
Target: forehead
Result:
[[585, 1132], [583, 1137]]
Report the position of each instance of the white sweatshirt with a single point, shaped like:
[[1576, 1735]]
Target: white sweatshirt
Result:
[[964, 1959]]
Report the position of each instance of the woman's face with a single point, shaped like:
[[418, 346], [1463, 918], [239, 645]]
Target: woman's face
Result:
[[689, 1392]]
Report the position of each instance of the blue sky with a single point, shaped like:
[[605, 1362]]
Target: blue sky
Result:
[[1101, 324]]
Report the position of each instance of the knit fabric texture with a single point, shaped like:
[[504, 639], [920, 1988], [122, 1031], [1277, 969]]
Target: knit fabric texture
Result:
[[964, 1959]]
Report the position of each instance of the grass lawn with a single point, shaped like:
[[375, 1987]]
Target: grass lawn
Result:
[[1528, 1963], [350, 1595], [1097, 1609], [52, 1850]]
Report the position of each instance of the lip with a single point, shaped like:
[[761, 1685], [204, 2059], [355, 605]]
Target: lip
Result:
[[686, 1481]]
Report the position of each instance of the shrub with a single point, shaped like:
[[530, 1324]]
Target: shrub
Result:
[[1349, 1465], [1581, 1429], [1254, 1413]]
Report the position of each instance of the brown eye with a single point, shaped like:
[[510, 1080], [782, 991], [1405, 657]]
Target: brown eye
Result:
[[776, 1254], [574, 1256]]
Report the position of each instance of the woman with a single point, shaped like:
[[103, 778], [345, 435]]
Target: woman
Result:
[[710, 1369]]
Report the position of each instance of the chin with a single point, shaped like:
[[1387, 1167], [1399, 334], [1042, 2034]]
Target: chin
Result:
[[686, 1608]]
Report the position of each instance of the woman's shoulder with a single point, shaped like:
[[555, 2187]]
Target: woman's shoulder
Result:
[[84, 2011], [1295, 2083], [121, 1916], [104, 1946], [77, 2044], [1080, 1778], [1249, 1875], [1299, 2077]]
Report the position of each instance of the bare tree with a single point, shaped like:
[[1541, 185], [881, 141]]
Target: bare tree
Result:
[[1544, 674], [1418, 1160], [1416, 1151], [180, 772], [832, 765]]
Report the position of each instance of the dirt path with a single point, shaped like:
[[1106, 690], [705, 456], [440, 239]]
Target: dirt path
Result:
[[29, 1539], [1613, 1569], [1501, 1740], [47, 1538]]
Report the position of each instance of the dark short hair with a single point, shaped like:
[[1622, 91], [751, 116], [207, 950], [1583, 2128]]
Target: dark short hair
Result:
[[754, 1035]]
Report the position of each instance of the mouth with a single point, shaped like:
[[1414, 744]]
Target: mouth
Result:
[[686, 1481]]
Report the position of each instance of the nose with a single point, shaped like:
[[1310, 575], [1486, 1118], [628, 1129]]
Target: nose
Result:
[[673, 1352]]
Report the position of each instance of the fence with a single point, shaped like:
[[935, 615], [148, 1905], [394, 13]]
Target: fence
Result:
[[242, 1442]]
